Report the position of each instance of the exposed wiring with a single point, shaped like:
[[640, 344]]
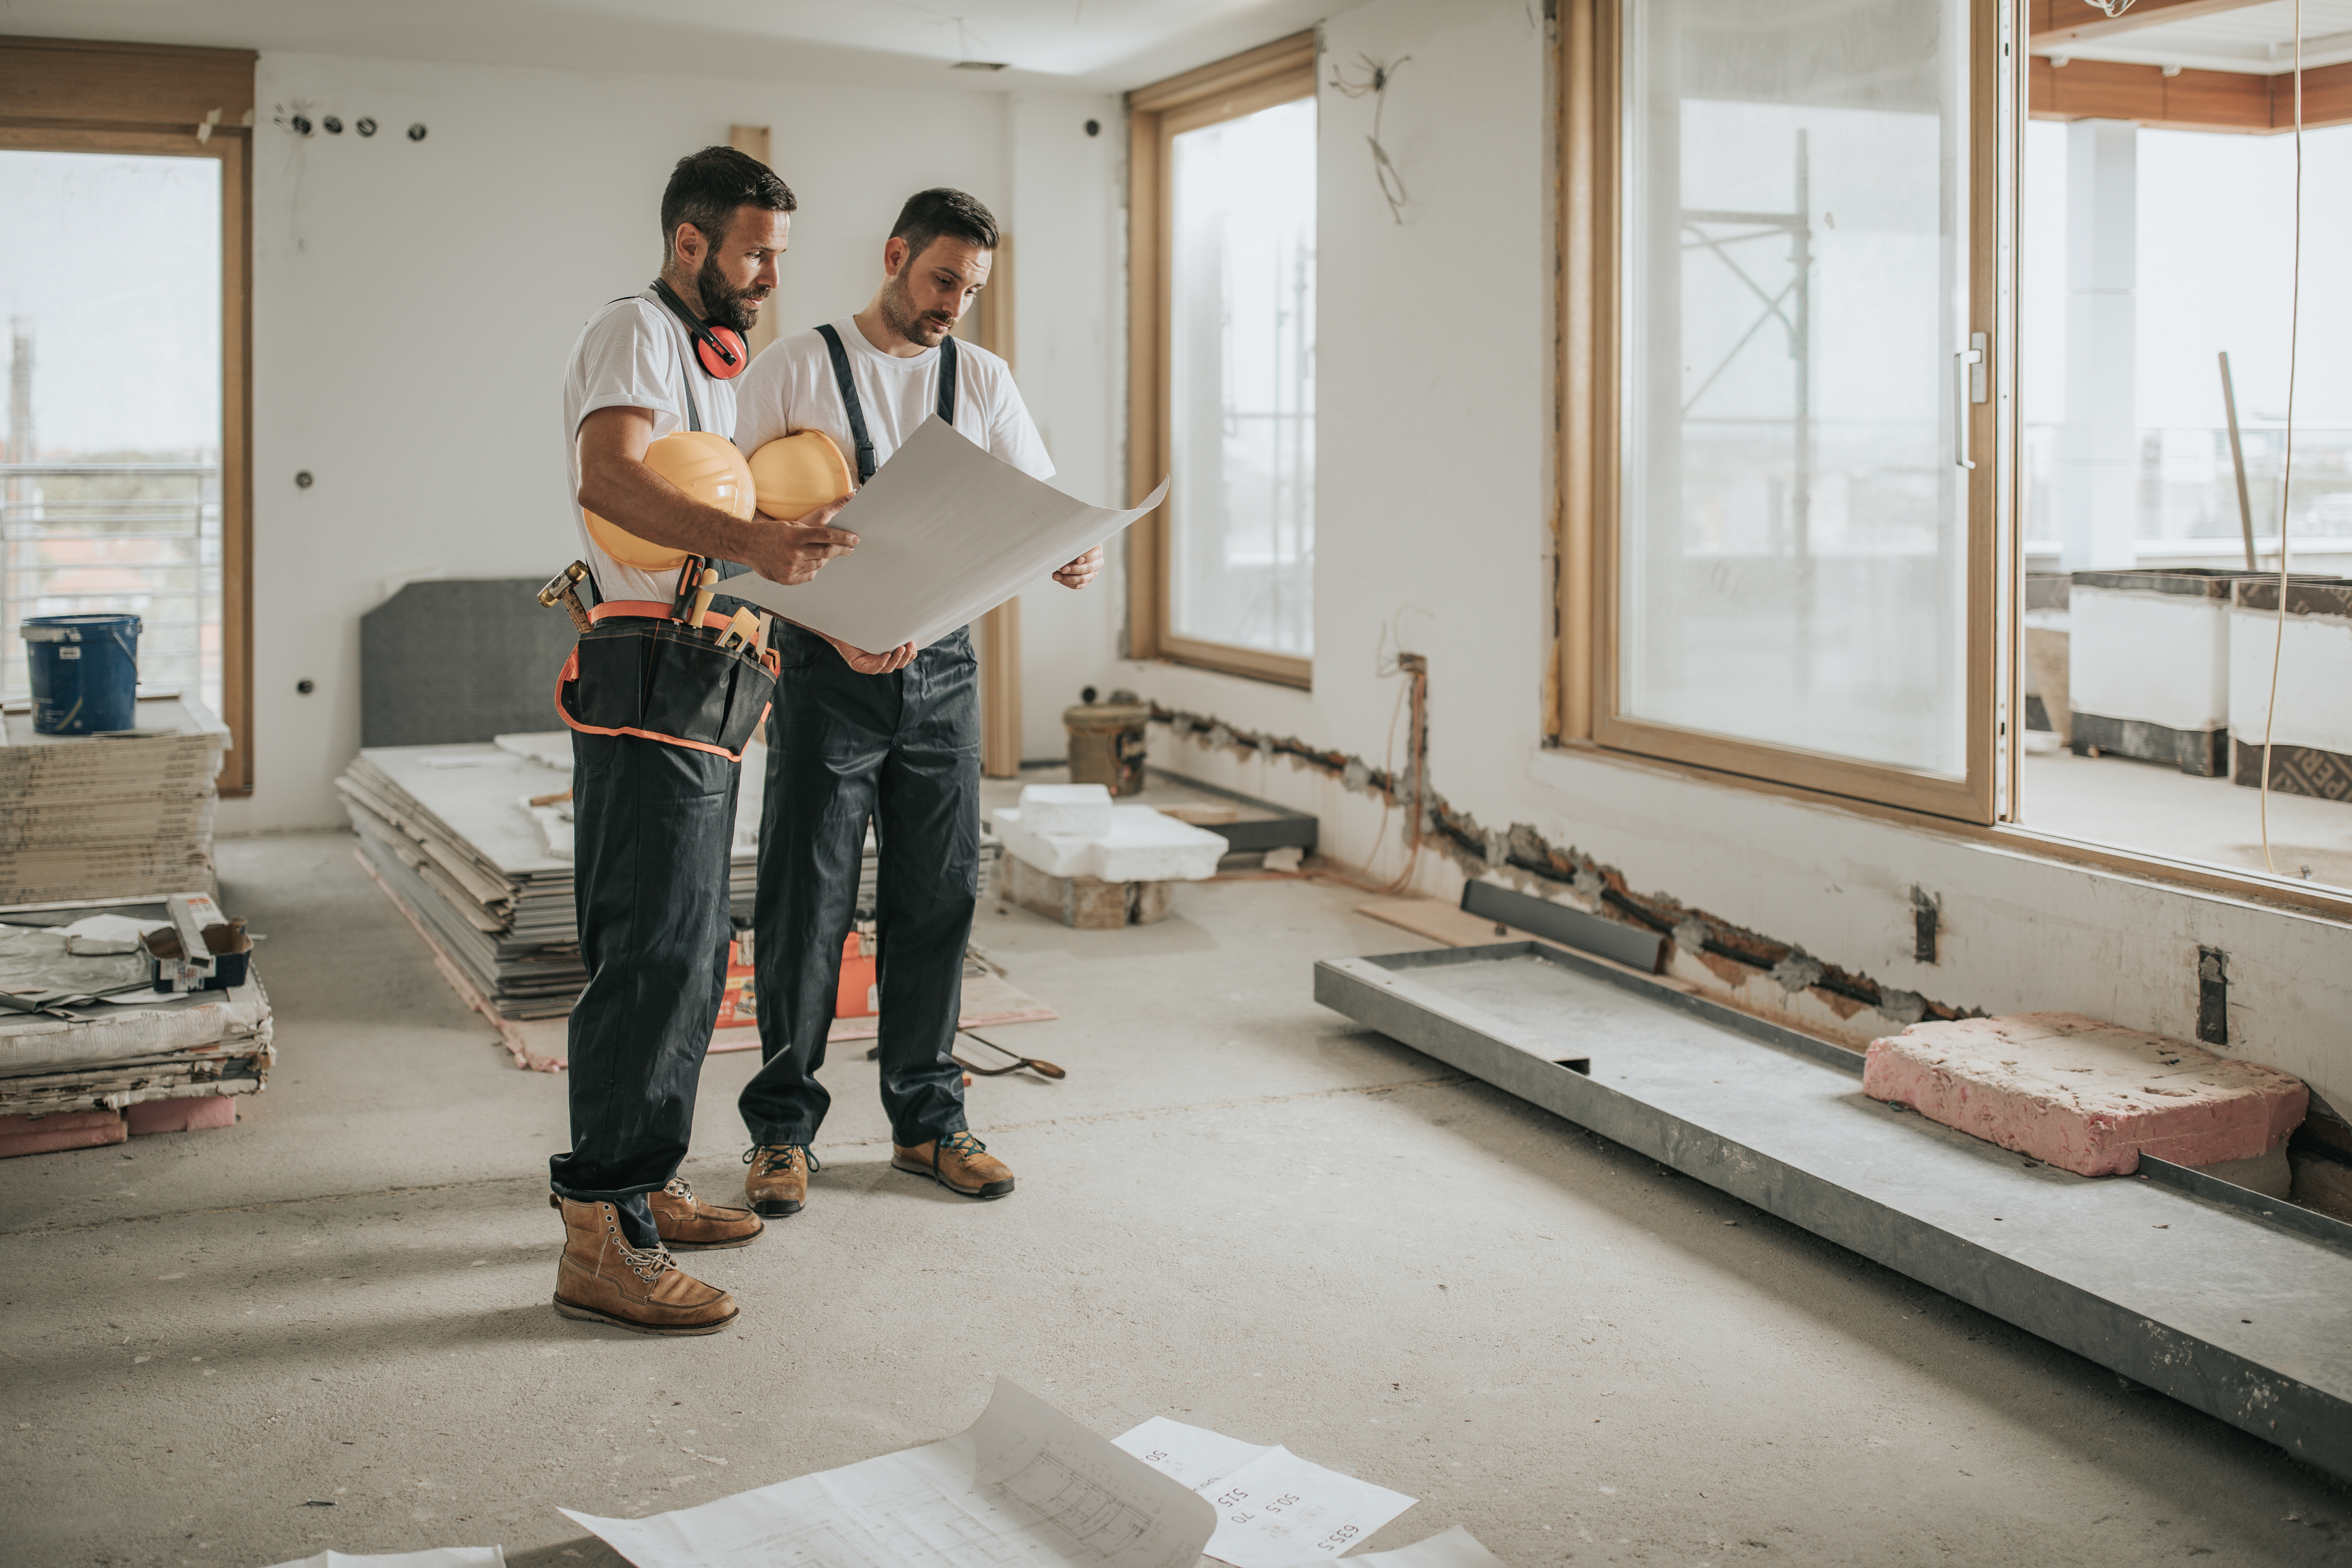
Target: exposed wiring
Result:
[[2287, 469], [1377, 76], [2111, 9], [1416, 670]]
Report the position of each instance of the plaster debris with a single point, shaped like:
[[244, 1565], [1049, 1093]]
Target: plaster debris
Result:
[[1520, 857], [1798, 972]]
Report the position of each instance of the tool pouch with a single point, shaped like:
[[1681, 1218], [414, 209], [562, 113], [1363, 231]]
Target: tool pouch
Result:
[[658, 680]]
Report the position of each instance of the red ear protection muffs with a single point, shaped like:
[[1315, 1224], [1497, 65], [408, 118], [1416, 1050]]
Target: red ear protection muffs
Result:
[[721, 349]]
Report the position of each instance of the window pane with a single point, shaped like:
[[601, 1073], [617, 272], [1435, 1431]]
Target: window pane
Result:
[[1794, 523], [1242, 381], [110, 499]]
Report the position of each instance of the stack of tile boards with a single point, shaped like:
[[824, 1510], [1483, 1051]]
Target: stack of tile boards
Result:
[[87, 819], [453, 835], [122, 1047]]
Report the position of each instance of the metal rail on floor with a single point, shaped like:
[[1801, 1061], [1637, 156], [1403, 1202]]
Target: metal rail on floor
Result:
[[2220, 1308]]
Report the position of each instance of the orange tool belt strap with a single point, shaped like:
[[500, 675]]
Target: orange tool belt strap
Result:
[[637, 671]]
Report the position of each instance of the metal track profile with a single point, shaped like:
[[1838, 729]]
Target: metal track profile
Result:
[[2243, 1318]]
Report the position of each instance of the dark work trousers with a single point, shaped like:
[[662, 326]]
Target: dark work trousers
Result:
[[652, 828], [904, 750]]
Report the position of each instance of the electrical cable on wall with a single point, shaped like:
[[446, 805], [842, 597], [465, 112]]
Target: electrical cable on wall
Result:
[[1377, 76], [2287, 469]]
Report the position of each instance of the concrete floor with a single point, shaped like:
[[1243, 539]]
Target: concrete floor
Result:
[[1239, 1210], [2162, 810]]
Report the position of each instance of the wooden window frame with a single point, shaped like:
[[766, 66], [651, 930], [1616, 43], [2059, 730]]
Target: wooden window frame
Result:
[[1279, 72], [1592, 211], [1590, 52], [62, 95]]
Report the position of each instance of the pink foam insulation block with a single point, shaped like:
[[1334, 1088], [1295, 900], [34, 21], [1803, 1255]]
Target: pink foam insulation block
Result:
[[59, 1130], [191, 1115], [2085, 1096]]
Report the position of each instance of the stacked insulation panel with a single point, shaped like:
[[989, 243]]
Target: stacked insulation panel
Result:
[[88, 819], [137, 1050], [448, 832], [456, 836]]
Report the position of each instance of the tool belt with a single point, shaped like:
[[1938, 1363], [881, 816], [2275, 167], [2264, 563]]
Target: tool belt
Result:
[[638, 671]]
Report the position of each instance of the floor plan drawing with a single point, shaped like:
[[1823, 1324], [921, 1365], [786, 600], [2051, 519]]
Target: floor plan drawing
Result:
[[1096, 1520], [1025, 1487]]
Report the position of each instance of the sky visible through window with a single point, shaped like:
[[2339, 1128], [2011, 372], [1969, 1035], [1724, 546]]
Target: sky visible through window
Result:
[[110, 290]]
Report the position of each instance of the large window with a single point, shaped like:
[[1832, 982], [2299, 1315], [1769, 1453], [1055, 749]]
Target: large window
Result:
[[1793, 302], [126, 481], [1900, 458], [1225, 353], [111, 498]]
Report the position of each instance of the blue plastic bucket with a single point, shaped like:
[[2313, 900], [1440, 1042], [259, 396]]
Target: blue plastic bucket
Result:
[[85, 672]]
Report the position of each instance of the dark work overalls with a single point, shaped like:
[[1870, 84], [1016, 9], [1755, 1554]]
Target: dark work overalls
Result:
[[904, 750], [653, 830]]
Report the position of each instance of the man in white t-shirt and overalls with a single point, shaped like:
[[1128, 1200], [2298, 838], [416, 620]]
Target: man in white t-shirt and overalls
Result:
[[891, 735], [654, 797]]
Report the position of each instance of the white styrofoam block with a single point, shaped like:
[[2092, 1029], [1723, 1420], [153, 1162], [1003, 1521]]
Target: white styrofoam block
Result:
[[2315, 671], [1142, 846], [1076, 810], [1147, 846], [2161, 658]]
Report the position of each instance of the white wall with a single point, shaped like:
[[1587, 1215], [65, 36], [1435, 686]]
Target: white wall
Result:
[[1069, 357], [1434, 495], [414, 303]]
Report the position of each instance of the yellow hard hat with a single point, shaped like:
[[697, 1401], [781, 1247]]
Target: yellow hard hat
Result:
[[794, 475], [706, 466]]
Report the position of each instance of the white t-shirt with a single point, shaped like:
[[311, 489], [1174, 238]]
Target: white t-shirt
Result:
[[634, 354], [790, 387]]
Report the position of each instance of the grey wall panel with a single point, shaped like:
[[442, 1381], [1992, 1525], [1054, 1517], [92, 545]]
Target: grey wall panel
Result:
[[448, 662]]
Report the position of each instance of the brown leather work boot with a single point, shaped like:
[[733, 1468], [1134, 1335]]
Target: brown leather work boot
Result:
[[603, 1280], [777, 1184], [959, 1163], [686, 1224]]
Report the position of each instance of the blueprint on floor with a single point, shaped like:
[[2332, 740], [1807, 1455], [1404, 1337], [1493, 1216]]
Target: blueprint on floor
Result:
[[1274, 1509], [1025, 1486]]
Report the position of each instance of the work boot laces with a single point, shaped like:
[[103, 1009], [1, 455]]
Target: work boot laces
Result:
[[648, 1264], [962, 1145], [779, 1157], [675, 1187]]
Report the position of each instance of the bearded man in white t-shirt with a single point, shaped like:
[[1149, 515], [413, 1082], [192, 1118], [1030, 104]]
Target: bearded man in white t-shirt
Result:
[[653, 812], [892, 736]]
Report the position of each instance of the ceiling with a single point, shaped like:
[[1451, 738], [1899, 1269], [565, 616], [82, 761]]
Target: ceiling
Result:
[[1103, 46], [2257, 38]]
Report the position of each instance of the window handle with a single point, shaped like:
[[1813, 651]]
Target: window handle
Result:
[[1968, 387]]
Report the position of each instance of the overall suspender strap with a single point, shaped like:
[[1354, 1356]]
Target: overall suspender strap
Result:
[[839, 354], [841, 376]]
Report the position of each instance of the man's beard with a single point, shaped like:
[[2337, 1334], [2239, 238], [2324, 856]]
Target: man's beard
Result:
[[723, 304], [898, 314]]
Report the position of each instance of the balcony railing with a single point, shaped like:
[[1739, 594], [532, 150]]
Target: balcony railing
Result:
[[142, 538]]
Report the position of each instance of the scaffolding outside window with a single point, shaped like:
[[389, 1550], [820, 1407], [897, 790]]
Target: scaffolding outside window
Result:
[[1794, 517]]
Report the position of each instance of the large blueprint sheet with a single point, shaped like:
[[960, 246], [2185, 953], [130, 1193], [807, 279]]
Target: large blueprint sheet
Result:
[[1025, 1486], [945, 533]]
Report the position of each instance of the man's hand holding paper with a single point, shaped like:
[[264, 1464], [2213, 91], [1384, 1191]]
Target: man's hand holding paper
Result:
[[945, 533]]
